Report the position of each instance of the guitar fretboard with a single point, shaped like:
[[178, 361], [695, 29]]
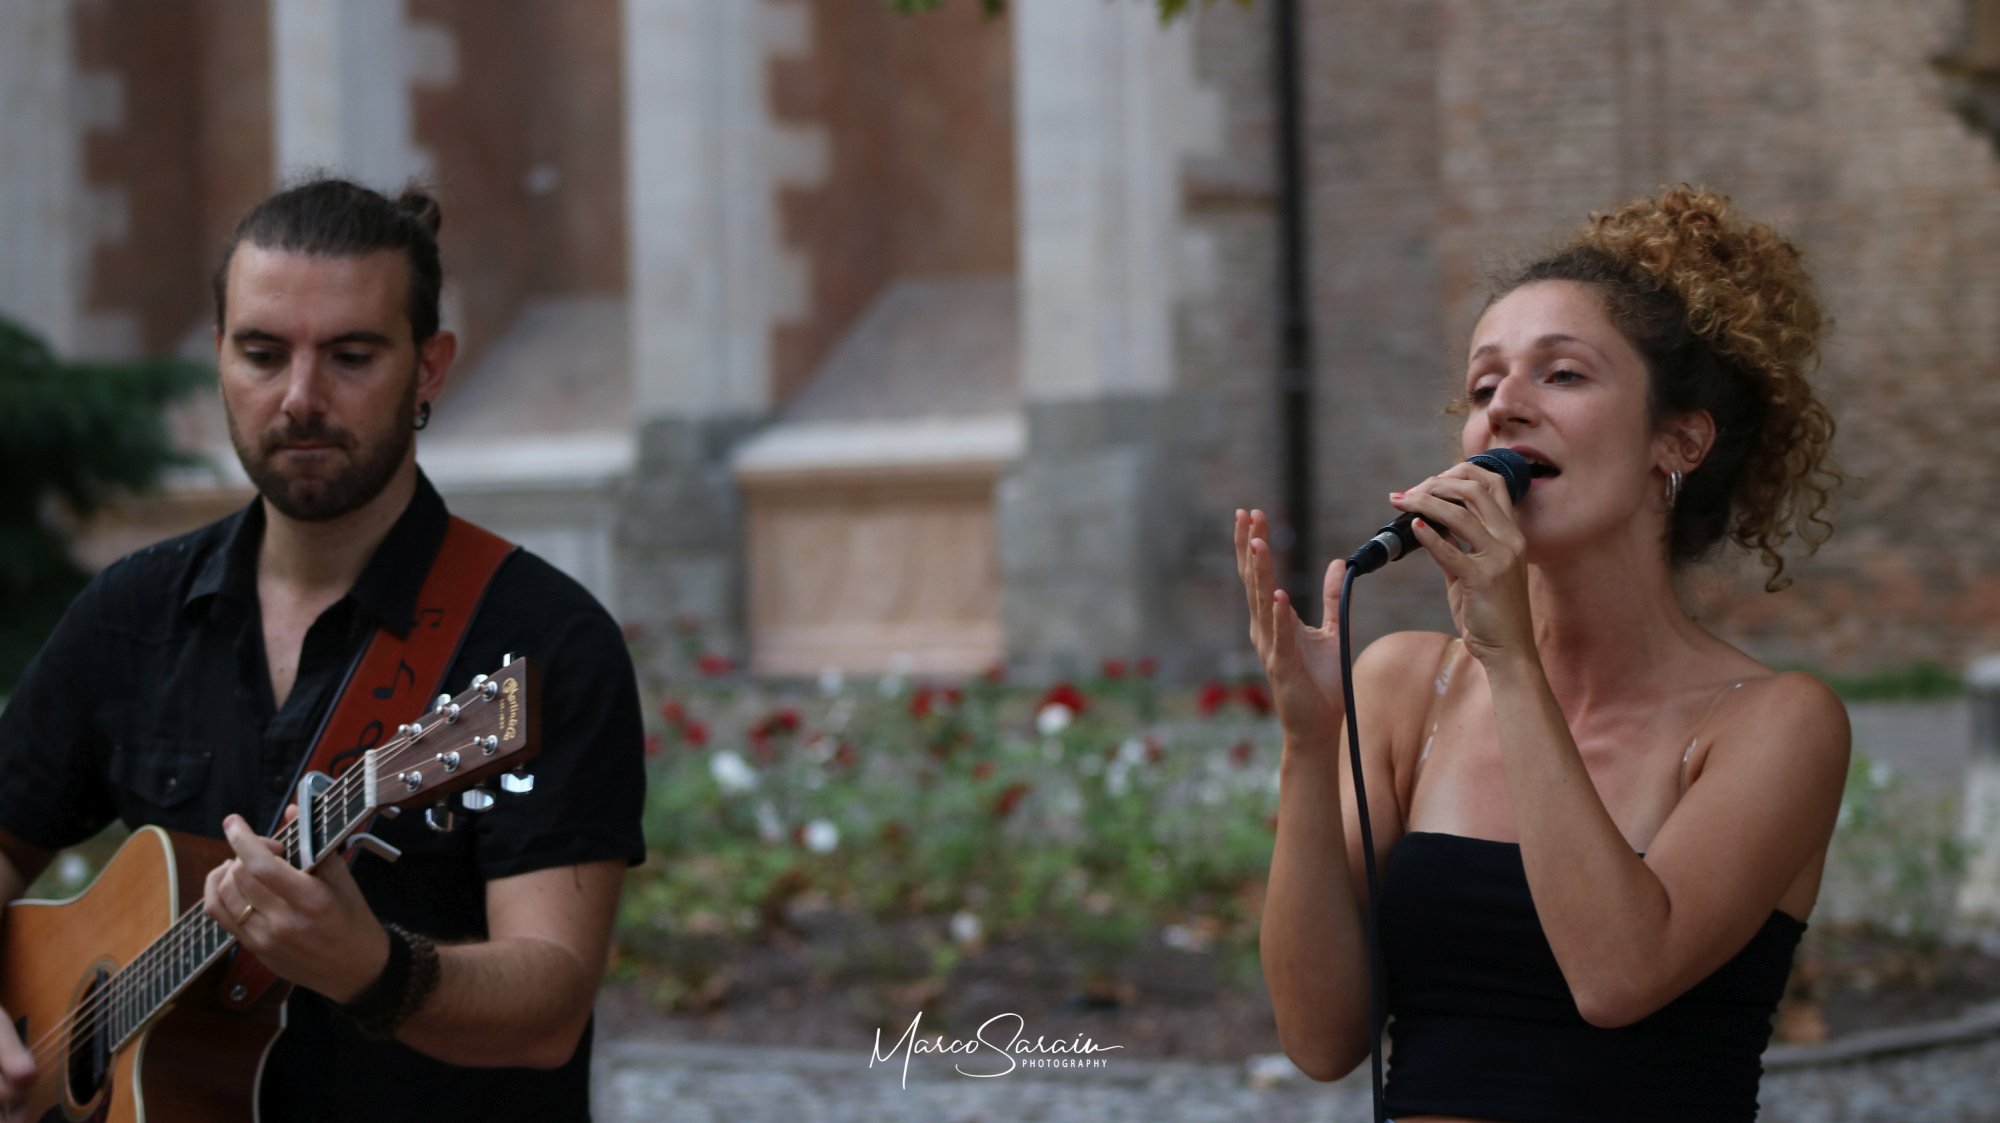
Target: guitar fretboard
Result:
[[137, 992]]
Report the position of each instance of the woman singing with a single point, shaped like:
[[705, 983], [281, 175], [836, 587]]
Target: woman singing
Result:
[[1602, 828]]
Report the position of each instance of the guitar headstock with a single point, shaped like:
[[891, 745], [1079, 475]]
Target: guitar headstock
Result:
[[491, 728]]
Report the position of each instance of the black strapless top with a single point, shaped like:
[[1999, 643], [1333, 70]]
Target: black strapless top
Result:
[[1483, 1025]]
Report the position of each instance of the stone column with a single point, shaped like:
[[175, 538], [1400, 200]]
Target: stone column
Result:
[[340, 97], [1095, 520], [700, 220], [44, 242]]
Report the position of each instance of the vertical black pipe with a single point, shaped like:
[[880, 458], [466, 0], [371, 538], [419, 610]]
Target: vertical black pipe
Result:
[[1294, 533]]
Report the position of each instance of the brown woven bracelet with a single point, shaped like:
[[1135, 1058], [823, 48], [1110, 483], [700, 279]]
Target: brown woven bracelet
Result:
[[406, 983]]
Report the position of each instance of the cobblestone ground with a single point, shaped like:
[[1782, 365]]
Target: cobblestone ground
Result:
[[642, 1083]]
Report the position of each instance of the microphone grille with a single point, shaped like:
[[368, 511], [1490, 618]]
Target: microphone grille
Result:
[[1510, 465]]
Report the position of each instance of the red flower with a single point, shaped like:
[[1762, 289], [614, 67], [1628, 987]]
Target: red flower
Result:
[[844, 755], [674, 712], [920, 703], [712, 664], [1214, 696], [1257, 697], [1113, 668], [1009, 798], [995, 674], [953, 695], [1148, 666], [654, 744], [695, 734], [1155, 753], [761, 749], [1064, 694], [1240, 753], [983, 770], [775, 723]]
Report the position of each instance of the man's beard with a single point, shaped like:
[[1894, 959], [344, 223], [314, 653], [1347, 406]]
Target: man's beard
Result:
[[312, 498]]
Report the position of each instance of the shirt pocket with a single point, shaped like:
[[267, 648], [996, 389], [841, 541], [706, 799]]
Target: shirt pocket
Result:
[[159, 781]]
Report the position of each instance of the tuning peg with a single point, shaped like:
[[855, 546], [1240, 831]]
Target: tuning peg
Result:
[[438, 817], [517, 783], [476, 799]]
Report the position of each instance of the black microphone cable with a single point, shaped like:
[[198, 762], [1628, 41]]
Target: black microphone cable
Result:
[[1512, 467], [1375, 978]]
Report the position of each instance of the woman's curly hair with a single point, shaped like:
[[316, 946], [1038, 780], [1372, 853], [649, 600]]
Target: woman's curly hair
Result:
[[1728, 321]]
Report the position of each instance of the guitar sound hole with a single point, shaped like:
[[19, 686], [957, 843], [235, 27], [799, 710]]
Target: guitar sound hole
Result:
[[89, 1060]]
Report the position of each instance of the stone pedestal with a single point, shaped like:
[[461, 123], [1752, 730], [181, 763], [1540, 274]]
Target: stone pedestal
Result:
[[1979, 894], [1099, 535], [679, 538]]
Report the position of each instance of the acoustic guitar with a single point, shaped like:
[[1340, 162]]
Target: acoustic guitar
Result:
[[124, 993]]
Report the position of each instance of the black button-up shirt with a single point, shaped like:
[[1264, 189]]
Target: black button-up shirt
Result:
[[151, 703]]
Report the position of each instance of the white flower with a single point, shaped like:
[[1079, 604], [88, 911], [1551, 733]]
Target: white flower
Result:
[[831, 680], [1879, 774], [966, 928], [1180, 937], [821, 836], [1118, 778], [1053, 719], [732, 772], [770, 827], [1132, 751]]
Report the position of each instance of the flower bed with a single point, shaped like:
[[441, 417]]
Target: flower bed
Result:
[[1099, 816]]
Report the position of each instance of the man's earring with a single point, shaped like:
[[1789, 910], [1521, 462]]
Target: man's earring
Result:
[[423, 420]]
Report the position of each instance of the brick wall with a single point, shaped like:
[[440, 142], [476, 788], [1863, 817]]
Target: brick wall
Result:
[[915, 114], [1449, 135]]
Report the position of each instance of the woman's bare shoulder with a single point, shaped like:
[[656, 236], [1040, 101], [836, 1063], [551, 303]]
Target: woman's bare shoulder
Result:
[[1785, 711], [1399, 672]]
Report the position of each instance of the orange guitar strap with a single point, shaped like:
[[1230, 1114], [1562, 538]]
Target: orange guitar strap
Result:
[[392, 682]]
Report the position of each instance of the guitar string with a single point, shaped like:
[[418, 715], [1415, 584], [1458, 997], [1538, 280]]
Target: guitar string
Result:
[[125, 985]]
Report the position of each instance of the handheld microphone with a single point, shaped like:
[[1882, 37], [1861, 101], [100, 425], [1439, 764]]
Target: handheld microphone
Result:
[[1397, 540]]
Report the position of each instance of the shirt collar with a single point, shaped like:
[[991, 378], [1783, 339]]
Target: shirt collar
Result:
[[388, 586]]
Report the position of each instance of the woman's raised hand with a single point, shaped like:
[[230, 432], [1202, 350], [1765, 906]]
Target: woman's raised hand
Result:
[[1301, 663]]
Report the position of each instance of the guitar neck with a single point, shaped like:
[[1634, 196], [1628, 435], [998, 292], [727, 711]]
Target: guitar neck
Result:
[[144, 987], [490, 728]]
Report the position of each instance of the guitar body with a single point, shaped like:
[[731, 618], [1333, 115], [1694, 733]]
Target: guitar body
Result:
[[198, 1061]]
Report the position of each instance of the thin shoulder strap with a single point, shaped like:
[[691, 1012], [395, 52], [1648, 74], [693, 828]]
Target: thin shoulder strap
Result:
[[1694, 735], [1448, 659]]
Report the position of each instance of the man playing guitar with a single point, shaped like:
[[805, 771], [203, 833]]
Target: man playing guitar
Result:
[[187, 682]]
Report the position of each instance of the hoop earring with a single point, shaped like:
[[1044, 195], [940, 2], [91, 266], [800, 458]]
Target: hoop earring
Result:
[[423, 420], [1673, 488]]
